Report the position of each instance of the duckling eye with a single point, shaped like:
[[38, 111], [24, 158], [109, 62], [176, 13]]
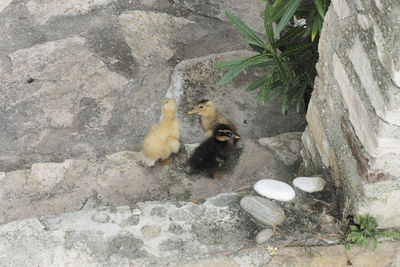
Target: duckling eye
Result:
[[201, 107]]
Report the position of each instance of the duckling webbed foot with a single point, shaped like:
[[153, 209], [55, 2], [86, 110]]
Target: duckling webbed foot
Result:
[[165, 161]]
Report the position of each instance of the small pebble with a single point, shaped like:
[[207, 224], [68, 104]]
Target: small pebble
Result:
[[2, 175], [263, 236], [136, 212], [100, 217]]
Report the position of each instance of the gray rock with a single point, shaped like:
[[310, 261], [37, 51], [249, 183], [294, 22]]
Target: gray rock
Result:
[[132, 220], [263, 236], [285, 146], [175, 229], [223, 200], [249, 11], [180, 215], [128, 246], [100, 217], [158, 211], [4, 4], [45, 10], [263, 210], [171, 244], [136, 212], [150, 231]]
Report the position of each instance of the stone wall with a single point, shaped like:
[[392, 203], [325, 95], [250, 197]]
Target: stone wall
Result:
[[354, 113]]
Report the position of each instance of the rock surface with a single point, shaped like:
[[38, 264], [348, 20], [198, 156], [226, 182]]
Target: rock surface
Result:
[[88, 77], [155, 239], [286, 146], [117, 179], [274, 189], [309, 184], [263, 210]]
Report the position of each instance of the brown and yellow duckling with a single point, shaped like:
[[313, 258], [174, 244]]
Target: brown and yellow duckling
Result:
[[212, 153], [163, 137], [210, 117]]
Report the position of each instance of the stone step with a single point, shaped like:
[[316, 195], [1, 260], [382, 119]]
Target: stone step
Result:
[[118, 179], [180, 234]]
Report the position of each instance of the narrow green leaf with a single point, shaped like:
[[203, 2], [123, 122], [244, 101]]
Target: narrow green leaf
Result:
[[243, 28], [353, 227], [229, 63], [269, 31], [295, 49], [281, 69], [268, 85], [258, 83], [320, 8], [316, 27], [300, 98], [278, 9], [375, 245], [257, 48], [286, 17], [234, 71]]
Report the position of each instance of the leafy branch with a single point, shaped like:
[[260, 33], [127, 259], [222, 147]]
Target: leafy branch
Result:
[[289, 54]]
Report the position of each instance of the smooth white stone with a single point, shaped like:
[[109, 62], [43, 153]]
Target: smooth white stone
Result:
[[309, 184], [275, 190], [2, 175]]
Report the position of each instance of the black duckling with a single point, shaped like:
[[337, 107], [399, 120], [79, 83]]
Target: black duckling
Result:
[[214, 150]]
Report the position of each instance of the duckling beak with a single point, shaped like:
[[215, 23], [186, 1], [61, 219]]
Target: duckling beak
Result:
[[193, 111], [236, 137]]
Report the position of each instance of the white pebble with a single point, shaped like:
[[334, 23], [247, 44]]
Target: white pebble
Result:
[[274, 189], [309, 184]]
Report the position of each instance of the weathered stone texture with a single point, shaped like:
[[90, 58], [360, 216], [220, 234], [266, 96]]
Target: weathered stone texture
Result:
[[354, 114]]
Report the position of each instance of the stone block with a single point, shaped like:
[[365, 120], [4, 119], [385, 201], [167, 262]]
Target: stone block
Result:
[[381, 200], [318, 133], [43, 11], [341, 8], [358, 114], [4, 4], [149, 34], [362, 65]]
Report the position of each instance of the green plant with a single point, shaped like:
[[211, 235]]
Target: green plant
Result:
[[365, 230], [289, 54]]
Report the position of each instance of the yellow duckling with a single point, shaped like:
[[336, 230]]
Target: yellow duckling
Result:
[[163, 138], [210, 117]]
